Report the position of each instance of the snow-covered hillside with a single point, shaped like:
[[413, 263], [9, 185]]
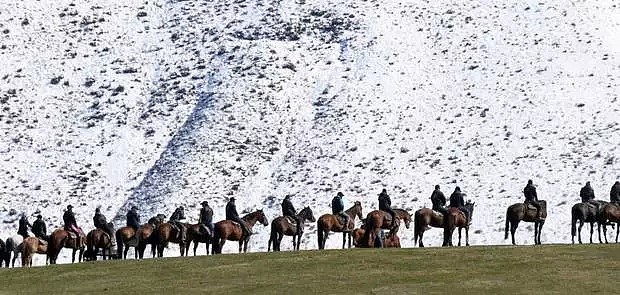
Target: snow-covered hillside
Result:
[[166, 103]]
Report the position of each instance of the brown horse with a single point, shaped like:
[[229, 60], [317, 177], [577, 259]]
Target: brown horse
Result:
[[282, 226], [197, 235], [389, 241], [126, 238], [527, 213], [586, 212], [167, 233], [378, 219], [98, 239], [609, 214], [31, 246], [331, 222], [423, 218], [453, 219], [229, 230], [147, 234], [61, 238]]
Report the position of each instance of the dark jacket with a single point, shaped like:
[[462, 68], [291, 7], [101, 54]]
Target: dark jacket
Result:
[[206, 215], [133, 219], [438, 199], [177, 215], [100, 221], [530, 193], [385, 202], [614, 194], [457, 200], [586, 193], [69, 219], [231, 211], [39, 229], [23, 226], [287, 208], [337, 205]]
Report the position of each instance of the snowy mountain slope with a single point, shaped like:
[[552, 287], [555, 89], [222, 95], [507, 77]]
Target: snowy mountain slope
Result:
[[167, 103]]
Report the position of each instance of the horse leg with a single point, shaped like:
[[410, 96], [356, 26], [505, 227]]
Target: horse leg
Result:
[[420, 236], [125, 252], [240, 245], [579, 230], [591, 231], [513, 230], [467, 236], [278, 242], [349, 239], [460, 230], [617, 230], [344, 239], [196, 246]]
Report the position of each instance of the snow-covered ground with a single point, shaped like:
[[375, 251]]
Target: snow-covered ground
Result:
[[165, 103]]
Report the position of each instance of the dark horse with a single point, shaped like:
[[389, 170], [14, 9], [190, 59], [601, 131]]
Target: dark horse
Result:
[[5, 255], [147, 234], [61, 238], [98, 239], [453, 219], [585, 212], [377, 220], [331, 222], [31, 246], [126, 238], [166, 233], [391, 240], [196, 235], [422, 219], [282, 226], [610, 213], [231, 231], [527, 213]]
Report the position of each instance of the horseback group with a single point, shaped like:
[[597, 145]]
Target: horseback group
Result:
[[596, 211]]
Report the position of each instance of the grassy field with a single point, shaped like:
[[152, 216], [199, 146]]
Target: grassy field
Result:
[[550, 269]]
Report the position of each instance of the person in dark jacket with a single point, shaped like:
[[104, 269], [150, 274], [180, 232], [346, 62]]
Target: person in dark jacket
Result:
[[289, 210], [39, 229], [100, 222], [457, 200], [338, 210], [206, 217], [133, 218], [531, 197], [385, 204], [231, 214], [614, 194], [586, 193], [439, 201], [23, 226], [175, 221], [69, 219]]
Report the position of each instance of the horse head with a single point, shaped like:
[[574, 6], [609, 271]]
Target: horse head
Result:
[[262, 218], [470, 205], [405, 216], [358, 208], [307, 214]]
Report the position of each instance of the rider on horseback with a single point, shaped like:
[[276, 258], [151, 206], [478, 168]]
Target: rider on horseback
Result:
[[39, 229], [614, 194], [439, 201], [457, 201], [338, 210], [100, 222], [385, 204], [175, 221], [70, 223], [531, 197], [231, 214], [289, 210], [206, 217], [22, 229], [133, 218]]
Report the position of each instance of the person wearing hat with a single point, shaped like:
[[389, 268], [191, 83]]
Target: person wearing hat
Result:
[[457, 200], [175, 221], [206, 218], [439, 201], [231, 214], [531, 197], [133, 218], [338, 210], [39, 229], [69, 219], [385, 204], [289, 210], [614, 193], [23, 226], [101, 222]]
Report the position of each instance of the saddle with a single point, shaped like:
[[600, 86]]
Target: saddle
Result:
[[205, 230], [290, 220]]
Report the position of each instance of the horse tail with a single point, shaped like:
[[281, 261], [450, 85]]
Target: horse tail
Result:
[[272, 237], [416, 227], [320, 233], [215, 242], [507, 223], [449, 221], [119, 244]]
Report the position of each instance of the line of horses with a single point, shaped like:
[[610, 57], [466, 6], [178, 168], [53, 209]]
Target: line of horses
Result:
[[158, 234]]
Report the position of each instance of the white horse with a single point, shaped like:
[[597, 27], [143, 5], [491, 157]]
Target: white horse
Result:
[[14, 244]]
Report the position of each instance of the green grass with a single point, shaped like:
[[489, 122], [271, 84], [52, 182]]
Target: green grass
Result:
[[549, 269]]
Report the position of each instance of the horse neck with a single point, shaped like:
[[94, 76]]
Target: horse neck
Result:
[[352, 212], [251, 219], [302, 216], [402, 214]]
